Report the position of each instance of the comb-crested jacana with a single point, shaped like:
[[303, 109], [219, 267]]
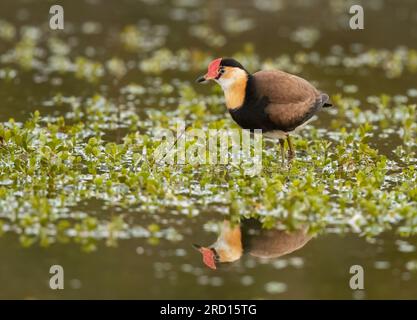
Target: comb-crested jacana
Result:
[[274, 101]]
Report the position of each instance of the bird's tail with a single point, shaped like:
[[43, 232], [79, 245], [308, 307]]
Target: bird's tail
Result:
[[325, 100]]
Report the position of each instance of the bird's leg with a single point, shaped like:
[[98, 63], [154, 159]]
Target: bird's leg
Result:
[[281, 143], [291, 151]]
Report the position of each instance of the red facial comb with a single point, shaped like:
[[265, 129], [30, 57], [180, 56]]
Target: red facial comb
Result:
[[213, 68], [208, 258]]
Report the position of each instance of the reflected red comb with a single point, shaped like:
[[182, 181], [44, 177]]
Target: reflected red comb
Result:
[[213, 68], [208, 258]]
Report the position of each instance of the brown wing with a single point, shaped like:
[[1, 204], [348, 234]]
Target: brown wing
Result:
[[275, 243], [271, 243], [292, 100]]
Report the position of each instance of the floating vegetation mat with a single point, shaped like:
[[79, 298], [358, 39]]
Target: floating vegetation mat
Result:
[[338, 182]]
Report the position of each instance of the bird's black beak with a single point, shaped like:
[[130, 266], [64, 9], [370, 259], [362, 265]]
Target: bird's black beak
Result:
[[196, 246], [201, 79]]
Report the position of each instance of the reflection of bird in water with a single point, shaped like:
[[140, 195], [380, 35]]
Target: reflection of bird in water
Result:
[[249, 237], [274, 101]]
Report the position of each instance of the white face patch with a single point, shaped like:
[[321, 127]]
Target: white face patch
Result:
[[227, 252], [231, 77], [233, 82], [229, 243], [224, 83]]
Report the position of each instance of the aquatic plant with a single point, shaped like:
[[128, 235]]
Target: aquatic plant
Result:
[[95, 149]]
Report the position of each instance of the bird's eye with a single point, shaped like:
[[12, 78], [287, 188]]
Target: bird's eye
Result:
[[221, 71]]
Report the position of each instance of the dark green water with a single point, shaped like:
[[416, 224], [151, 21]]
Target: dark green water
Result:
[[318, 271]]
